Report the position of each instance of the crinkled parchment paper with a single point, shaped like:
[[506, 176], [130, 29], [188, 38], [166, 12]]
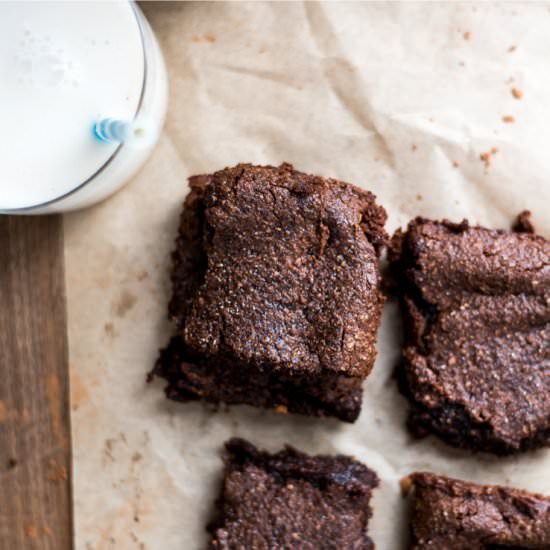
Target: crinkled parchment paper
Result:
[[399, 98]]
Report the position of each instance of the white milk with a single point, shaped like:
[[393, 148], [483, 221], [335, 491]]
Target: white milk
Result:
[[64, 65]]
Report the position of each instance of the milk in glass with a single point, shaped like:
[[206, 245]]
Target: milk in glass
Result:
[[64, 66]]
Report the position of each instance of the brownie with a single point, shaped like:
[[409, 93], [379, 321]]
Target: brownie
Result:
[[448, 514], [276, 292], [292, 501], [476, 357]]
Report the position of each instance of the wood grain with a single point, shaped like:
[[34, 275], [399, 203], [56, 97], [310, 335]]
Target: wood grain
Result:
[[35, 496]]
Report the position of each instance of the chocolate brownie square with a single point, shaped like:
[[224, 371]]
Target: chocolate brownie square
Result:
[[476, 358], [292, 501], [276, 292], [448, 514]]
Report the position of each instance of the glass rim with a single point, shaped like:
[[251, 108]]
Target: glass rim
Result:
[[22, 210]]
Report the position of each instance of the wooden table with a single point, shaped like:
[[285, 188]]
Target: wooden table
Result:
[[35, 448]]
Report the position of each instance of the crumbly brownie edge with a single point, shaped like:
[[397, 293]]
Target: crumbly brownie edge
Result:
[[218, 380], [188, 258], [291, 463]]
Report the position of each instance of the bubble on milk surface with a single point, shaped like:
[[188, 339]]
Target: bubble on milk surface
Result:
[[43, 64], [48, 70]]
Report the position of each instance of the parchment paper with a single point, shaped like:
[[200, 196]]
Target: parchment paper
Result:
[[399, 98]]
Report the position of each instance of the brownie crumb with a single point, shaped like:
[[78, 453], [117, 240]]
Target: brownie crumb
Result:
[[12, 463], [405, 484], [487, 157], [206, 37], [508, 119], [467, 35], [517, 93], [523, 223], [456, 164], [512, 48]]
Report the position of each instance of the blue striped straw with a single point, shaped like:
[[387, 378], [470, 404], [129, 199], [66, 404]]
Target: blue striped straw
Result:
[[112, 130]]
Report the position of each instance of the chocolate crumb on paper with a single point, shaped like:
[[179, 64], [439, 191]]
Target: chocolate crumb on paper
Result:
[[109, 329], [517, 93], [142, 275], [125, 302], [508, 119], [487, 157], [405, 484], [512, 48], [208, 37], [136, 457], [523, 223]]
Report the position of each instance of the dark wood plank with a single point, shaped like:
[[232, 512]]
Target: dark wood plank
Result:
[[35, 496]]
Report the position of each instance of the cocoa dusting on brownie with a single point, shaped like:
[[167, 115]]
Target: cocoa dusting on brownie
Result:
[[276, 291], [476, 358], [292, 501], [448, 514]]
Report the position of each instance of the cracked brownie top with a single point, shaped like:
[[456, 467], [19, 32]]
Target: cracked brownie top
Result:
[[280, 270]]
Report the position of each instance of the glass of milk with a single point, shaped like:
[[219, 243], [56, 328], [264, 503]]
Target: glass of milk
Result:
[[65, 66]]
